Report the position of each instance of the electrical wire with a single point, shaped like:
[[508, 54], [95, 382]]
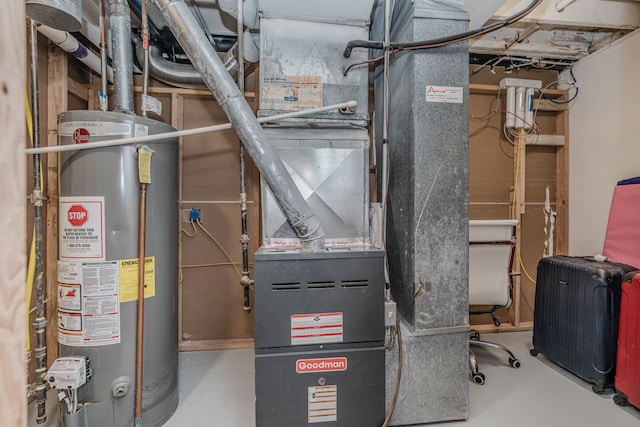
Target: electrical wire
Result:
[[513, 207], [193, 233], [440, 42], [220, 246], [396, 391]]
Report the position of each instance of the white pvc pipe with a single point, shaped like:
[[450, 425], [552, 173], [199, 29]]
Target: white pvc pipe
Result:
[[70, 44], [177, 134]]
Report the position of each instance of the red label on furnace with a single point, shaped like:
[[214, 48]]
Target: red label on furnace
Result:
[[334, 364]]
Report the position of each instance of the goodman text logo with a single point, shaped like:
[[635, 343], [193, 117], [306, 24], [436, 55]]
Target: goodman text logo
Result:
[[336, 364]]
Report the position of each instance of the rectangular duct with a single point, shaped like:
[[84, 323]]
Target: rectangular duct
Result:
[[330, 167], [427, 212]]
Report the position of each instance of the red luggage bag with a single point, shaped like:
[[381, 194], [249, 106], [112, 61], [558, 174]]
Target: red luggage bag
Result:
[[627, 380]]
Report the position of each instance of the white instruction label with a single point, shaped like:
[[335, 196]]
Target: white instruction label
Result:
[[88, 303], [317, 328], [445, 94], [291, 93], [323, 404], [82, 228], [69, 297], [149, 103]]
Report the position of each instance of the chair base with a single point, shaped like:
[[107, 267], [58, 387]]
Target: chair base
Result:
[[474, 340]]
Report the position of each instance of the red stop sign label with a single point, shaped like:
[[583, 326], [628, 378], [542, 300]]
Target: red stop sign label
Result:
[[81, 136], [77, 215]]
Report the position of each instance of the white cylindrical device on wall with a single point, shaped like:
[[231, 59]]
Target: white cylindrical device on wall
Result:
[[520, 107], [528, 113], [511, 107]]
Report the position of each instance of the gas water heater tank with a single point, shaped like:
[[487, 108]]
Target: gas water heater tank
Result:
[[98, 272]]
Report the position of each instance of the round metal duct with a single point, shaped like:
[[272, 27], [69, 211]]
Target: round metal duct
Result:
[[63, 15]]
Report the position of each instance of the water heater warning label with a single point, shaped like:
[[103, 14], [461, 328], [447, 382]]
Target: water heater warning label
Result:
[[317, 328], [82, 228], [323, 404], [88, 303]]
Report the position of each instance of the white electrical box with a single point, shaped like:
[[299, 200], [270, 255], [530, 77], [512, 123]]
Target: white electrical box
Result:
[[69, 373]]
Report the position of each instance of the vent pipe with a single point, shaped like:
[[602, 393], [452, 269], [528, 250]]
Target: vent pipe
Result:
[[122, 55], [186, 75], [65, 15], [174, 73], [205, 59]]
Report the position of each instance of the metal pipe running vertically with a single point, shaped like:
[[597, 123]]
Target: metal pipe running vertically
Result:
[[145, 66], [40, 323], [122, 59], [205, 59], [245, 280], [104, 100]]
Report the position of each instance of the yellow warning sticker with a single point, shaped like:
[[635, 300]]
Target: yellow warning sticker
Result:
[[129, 278]]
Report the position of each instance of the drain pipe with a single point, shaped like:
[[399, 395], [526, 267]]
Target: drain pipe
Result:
[[71, 45], [205, 59], [120, 18], [40, 324]]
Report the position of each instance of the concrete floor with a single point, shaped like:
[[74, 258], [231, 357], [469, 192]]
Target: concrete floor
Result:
[[216, 389]]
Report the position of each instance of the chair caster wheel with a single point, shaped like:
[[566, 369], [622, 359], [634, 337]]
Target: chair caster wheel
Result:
[[475, 335], [478, 378], [533, 352], [496, 322], [515, 363], [620, 400]]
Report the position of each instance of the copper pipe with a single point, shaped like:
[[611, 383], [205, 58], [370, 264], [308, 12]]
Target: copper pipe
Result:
[[140, 318]]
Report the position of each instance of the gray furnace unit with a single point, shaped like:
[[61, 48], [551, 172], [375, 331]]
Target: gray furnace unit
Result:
[[319, 316], [319, 329]]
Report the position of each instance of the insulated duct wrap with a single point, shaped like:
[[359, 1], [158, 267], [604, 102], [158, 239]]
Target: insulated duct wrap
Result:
[[205, 59]]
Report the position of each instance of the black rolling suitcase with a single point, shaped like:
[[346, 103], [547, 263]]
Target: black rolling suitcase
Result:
[[576, 315]]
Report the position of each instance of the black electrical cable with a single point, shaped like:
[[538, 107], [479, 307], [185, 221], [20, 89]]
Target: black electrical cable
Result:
[[439, 42]]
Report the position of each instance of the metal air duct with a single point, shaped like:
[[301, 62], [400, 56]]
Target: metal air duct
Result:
[[205, 59], [122, 54], [63, 15], [177, 74]]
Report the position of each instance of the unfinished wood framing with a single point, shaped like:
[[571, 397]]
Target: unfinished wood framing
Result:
[[542, 160], [13, 405]]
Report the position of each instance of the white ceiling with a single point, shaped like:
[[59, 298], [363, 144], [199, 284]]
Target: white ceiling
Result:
[[581, 28]]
